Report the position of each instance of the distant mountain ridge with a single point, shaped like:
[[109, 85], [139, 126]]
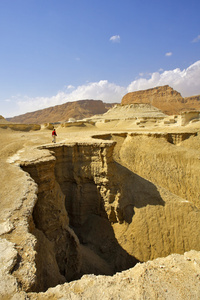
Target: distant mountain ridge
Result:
[[78, 110], [165, 98]]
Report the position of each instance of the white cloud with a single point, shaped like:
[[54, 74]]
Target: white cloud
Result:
[[186, 81], [102, 90], [115, 38], [197, 39], [168, 54], [69, 87]]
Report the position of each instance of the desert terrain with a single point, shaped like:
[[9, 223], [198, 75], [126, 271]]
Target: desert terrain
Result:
[[111, 211]]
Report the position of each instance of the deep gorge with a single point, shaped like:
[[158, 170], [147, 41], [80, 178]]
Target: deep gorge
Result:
[[96, 216]]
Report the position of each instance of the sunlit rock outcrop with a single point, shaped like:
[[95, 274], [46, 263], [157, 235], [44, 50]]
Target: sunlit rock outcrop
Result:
[[165, 98]]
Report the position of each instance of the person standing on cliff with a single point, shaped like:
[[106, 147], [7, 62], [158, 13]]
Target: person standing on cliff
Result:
[[54, 134]]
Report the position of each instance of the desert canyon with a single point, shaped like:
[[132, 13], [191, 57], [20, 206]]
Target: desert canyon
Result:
[[112, 210]]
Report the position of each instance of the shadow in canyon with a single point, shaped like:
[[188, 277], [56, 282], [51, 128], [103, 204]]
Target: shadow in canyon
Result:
[[93, 206], [85, 243]]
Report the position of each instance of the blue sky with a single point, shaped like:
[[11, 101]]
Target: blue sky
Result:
[[54, 51]]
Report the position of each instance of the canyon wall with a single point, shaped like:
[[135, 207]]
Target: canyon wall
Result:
[[57, 247], [165, 98], [170, 160], [94, 215], [74, 183], [84, 211]]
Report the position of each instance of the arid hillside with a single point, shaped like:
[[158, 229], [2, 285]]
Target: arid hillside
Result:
[[77, 110], [3, 120], [165, 98]]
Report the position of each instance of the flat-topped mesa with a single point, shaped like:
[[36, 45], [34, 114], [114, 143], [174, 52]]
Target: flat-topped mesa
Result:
[[163, 97]]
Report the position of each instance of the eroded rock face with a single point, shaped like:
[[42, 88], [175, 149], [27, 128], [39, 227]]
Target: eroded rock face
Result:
[[8, 259], [110, 210], [58, 253], [163, 97], [169, 160], [78, 179], [165, 160], [133, 111], [95, 215], [173, 277]]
